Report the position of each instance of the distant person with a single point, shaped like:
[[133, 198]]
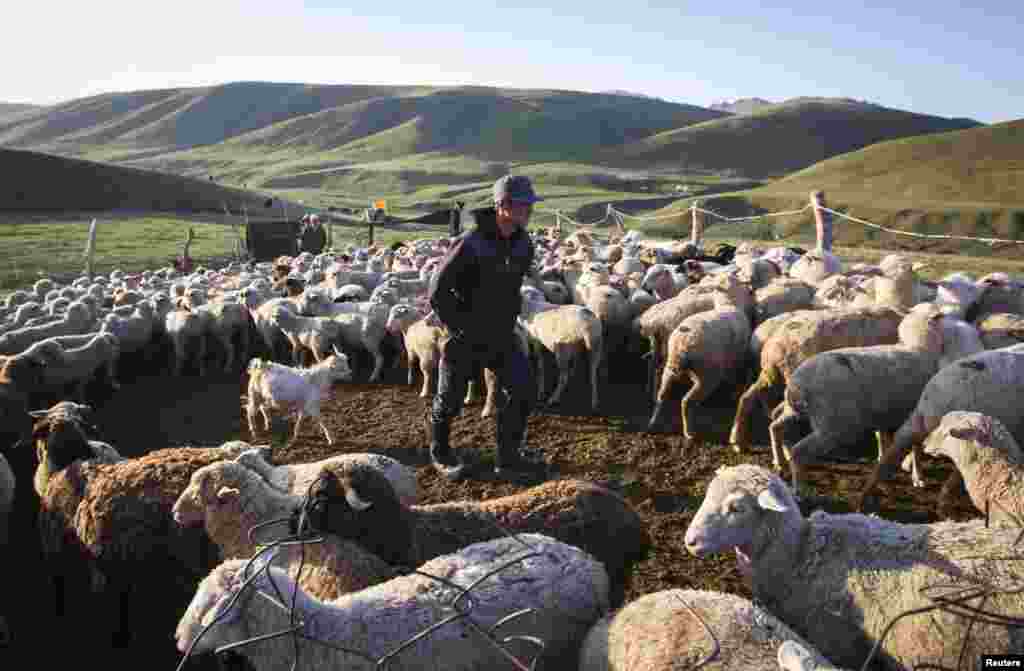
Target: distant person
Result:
[[475, 295], [312, 236]]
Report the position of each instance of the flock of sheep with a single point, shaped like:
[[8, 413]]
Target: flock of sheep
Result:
[[829, 353]]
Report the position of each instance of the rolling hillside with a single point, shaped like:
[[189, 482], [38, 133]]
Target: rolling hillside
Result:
[[42, 182], [968, 182], [779, 139]]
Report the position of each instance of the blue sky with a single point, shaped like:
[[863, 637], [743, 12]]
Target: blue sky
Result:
[[937, 57]]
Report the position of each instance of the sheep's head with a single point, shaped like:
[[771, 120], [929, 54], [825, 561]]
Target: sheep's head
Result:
[[741, 510], [214, 488], [962, 434], [923, 328], [26, 372], [357, 502], [60, 440], [400, 317]]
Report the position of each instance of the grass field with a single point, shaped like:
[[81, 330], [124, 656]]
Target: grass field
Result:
[[44, 245]]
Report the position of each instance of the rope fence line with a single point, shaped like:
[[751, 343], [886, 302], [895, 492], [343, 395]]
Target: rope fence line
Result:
[[818, 208]]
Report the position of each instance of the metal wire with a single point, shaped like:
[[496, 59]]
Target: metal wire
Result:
[[952, 598], [302, 532]]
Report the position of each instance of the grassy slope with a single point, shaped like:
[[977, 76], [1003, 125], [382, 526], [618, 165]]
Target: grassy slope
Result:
[[35, 181], [968, 182], [778, 139]]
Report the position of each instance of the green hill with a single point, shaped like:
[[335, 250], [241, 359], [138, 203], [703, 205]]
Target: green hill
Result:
[[42, 182], [777, 139], [968, 182]]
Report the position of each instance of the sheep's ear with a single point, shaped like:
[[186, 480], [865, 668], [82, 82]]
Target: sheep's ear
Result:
[[226, 494], [37, 414], [352, 497], [963, 432], [768, 499]]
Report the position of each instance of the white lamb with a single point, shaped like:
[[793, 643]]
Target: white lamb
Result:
[[278, 386], [839, 580], [566, 588]]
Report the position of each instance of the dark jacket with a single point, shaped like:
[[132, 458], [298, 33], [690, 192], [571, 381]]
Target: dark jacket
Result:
[[312, 239], [475, 291]]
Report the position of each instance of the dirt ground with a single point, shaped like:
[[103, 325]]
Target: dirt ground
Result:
[[662, 480]]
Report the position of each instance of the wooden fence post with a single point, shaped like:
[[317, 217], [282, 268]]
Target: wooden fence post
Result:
[[90, 250], [696, 224], [822, 221]]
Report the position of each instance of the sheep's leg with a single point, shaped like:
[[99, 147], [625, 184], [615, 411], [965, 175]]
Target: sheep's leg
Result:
[[229, 349], [298, 423], [378, 364], [266, 418], [884, 439], [564, 357], [250, 414], [541, 365], [913, 432], [178, 364], [595, 378], [950, 489], [323, 427], [699, 391], [914, 459], [739, 437], [413, 362], [808, 450], [786, 416], [491, 382], [112, 372]]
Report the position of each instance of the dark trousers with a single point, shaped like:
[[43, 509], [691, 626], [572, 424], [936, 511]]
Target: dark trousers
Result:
[[460, 361]]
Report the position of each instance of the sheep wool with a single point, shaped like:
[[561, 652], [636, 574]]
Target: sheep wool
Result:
[[839, 580], [673, 629], [566, 588]]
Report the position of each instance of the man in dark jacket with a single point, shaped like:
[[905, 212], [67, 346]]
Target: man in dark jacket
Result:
[[312, 236], [475, 295]]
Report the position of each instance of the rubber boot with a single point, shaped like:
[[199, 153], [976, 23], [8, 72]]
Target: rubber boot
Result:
[[442, 457]]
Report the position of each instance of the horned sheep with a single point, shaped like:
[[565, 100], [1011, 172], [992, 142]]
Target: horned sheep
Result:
[[564, 587], [840, 580]]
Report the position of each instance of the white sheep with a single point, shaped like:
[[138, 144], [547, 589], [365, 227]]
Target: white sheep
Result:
[[781, 295], [226, 322], [677, 629], [566, 588], [814, 266], [296, 478], [839, 580], [709, 348], [76, 320], [846, 392], [990, 382], [989, 461], [186, 330], [77, 365], [273, 385], [657, 323], [795, 340], [565, 331], [316, 334]]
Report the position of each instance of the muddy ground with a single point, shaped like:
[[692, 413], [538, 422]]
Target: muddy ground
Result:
[[661, 478]]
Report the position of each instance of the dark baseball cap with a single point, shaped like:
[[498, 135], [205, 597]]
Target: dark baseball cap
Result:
[[516, 188]]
